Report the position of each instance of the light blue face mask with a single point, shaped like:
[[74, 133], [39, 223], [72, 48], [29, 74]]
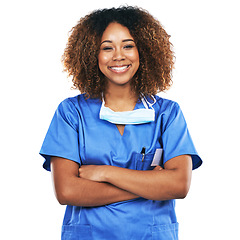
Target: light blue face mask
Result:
[[138, 116]]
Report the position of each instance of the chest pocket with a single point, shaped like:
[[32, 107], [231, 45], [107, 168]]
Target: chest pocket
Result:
[[143, 162]]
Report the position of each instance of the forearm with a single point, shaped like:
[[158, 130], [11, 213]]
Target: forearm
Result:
[[154, 185], [173, 182], [70, 189], [83, 192]]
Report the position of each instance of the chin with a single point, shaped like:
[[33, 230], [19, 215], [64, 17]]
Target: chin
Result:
[[119, 82]]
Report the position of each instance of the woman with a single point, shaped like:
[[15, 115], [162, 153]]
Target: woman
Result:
[[119, 154]]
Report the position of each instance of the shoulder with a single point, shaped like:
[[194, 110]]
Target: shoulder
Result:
[[79, 106], [166, 105], [73, 103], [68, 110], [80, 100], [167, 111]]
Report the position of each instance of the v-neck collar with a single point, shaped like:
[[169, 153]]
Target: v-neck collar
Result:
[[138, 105]]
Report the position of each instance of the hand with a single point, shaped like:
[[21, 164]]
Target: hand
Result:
[[92, 172], [158, 168]]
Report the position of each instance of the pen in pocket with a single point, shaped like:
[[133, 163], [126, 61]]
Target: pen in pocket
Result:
[[143, 153]]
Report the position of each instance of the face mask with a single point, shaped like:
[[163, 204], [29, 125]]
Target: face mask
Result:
[[137, 116]]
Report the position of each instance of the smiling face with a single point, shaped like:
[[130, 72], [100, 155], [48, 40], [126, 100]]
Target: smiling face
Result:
[[118, 58]]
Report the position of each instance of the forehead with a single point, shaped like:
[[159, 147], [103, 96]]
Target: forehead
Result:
[[116, 32]]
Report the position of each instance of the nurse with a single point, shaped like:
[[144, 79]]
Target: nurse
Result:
[[119, 154]]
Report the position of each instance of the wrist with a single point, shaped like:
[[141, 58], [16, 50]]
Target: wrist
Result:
[[107, 169]]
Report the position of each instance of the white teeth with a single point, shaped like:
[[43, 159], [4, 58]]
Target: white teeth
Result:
[[119, 68]]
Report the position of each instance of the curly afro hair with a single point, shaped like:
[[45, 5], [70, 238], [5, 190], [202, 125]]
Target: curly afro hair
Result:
[[80, 58]]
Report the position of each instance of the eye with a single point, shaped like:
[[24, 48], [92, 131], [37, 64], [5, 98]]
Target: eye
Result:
[[129, 46], [107, 48]]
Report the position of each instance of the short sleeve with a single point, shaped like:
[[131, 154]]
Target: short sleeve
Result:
[[176, 138], [61, 139]]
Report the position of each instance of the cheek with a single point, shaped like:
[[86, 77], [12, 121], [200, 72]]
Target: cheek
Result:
[[103, 59], [137, 56], [134, 57], [102, 62]]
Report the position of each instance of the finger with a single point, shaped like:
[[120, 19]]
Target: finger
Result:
[[79, 172], [158, 168]]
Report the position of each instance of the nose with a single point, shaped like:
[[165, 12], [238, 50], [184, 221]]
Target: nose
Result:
[[118, 55]]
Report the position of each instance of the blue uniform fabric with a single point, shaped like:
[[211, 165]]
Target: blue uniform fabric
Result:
[[78, 134]]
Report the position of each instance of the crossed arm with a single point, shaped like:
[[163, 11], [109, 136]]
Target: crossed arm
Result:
[[92, 185]]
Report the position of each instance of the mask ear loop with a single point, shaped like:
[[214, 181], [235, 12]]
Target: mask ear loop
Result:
[[154, 101], [145, 101], [103, 101]]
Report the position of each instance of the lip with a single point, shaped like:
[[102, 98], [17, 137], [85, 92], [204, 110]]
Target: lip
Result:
[[119, 68]]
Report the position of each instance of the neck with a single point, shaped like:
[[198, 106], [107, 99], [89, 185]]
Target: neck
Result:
[[120, 98]]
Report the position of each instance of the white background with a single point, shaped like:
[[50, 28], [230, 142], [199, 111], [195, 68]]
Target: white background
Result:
[[206, 38]]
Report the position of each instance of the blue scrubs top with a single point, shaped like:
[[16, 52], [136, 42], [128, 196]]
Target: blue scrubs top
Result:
[[76, 133]]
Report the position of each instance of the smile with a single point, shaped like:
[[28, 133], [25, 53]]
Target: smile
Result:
[[119, 69]]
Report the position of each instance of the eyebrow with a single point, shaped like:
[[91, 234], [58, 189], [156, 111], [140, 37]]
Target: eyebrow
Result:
[[125, 40]]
